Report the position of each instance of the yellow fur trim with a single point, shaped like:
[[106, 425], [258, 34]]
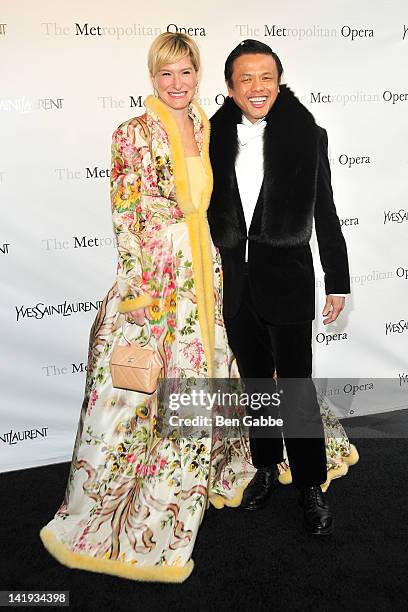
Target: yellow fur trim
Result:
[[332, 474], [353, 457], [285, 477], [139, 302], [154, 573], [205, 238], [193, 224], [180, 175], [219, 501], [208, 273], [196, 219]]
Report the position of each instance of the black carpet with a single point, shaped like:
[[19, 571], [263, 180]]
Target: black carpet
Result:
[[243, 561]]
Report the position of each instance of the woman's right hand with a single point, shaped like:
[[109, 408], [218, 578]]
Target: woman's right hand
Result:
[[136, 316]]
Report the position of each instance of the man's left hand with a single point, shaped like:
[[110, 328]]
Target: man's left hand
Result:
[[333, 307]]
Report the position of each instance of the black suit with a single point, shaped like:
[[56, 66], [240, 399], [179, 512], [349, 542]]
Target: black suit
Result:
[[269, 303]]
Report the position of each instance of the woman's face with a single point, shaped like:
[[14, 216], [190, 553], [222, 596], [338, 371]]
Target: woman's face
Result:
[[176, 83]]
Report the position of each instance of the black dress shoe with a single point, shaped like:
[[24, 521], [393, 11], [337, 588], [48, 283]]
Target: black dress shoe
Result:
[[316, 511], [260, 488]]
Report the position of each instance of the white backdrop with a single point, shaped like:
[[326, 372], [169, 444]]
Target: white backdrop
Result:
[[70, 72]]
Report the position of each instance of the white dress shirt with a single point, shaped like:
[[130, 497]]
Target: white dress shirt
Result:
[[249, 165], [249, 168]]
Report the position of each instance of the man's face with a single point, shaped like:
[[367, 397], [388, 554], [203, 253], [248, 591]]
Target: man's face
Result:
[[255, 84]]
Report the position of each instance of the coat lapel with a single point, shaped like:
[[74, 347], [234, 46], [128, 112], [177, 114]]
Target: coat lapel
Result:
[[236, 197], [257, 214]]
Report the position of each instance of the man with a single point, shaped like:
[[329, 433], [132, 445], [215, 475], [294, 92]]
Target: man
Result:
[[271, 180]]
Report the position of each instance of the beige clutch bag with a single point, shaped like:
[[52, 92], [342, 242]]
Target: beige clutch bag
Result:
[[135, 367]]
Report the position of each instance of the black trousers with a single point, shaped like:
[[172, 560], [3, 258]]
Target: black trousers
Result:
[[260, 350]]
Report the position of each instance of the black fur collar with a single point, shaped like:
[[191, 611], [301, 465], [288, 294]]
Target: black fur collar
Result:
[[284, 211], [286, 105]]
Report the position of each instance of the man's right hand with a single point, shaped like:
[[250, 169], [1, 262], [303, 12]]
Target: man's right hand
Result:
[[136, 316]]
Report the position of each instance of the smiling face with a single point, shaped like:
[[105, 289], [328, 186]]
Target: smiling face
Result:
[[176, 83], [255, 84]]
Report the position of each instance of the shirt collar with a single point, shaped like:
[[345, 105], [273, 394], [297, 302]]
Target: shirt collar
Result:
[[249, 123]]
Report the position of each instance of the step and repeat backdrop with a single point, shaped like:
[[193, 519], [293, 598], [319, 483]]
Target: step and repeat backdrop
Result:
[[71, 72]]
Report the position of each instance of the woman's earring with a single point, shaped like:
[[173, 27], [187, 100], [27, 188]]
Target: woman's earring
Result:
[[155, 92], [196, 90]]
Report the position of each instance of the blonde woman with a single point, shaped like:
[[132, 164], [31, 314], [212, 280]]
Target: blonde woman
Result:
[[134, 500]]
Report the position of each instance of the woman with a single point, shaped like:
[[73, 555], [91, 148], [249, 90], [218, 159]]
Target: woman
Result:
[[134, 500]]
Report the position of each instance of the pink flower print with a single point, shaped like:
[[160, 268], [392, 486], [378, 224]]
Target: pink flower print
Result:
[[175, 212], [117, 170], [170, 288], [92, 401], [128, 218], [150, 244], [129, 151], [171, 321], [147, 276], [194, 352], [156, 331], [226, 485], [131, 458]]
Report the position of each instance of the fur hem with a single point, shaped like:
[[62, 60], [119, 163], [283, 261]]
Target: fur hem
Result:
[[154, 573], [353, 457], [139, 302], [219, 501], [285, 477]]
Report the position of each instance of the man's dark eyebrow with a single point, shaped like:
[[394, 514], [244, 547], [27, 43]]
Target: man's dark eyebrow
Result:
[[250, 73]]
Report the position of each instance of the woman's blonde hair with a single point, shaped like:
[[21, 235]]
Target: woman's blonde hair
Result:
[[170, 47]]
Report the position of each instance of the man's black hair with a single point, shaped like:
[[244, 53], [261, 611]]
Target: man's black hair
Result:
[[249, 46]]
